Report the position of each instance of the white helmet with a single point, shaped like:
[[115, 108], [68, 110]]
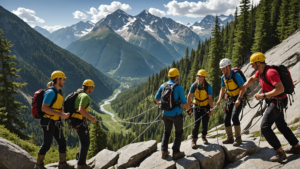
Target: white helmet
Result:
[[224, 62]]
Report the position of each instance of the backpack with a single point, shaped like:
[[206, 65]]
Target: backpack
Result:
[[285, 77], [37, 102], [69, 103], [167, 101]]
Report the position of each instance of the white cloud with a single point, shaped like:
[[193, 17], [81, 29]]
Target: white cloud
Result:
[[53, 28], [105, 10], [200, 9], [157, 12], [27, 15], [31, 25], [79, 15]]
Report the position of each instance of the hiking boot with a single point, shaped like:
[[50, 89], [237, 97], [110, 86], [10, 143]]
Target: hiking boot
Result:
[[204, 139], [164, 154], [62, 162], [194, 143], [293, 150], [39, 162], [280, 156], [84, 167], [229, 139], [178, 155], [238, 137]]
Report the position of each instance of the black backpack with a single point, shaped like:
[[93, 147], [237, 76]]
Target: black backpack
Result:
[[167, 101], [69, 103], [37, 102], [285, 77]]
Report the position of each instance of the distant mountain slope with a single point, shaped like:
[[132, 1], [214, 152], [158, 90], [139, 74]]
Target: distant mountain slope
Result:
[[109, 52], [65, 36], [163, 37], [38, 57], [42, 31]]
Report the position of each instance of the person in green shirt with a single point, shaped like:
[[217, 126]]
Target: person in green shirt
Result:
[[79, 122]]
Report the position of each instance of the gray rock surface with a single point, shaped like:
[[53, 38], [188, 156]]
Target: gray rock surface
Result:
[[155, 161], [133, 154], [188, 162], [14, 157], [105, 159]]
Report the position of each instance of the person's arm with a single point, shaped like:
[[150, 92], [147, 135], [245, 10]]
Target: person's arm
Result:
[[189, 98], [251, 80], [158, 95], [222, 92], [46, 108], [184, 100], [210, 99], [279, 88], [86, 115]]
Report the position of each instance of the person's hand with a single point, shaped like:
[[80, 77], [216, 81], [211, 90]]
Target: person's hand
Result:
[[218, 102], [191, 114], [211, 112], [258, 96], [65, 115], [237, 103], [246, 85], [93, 120]]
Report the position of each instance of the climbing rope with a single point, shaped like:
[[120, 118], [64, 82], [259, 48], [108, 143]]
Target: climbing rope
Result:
[[142, 113], [127, 122]]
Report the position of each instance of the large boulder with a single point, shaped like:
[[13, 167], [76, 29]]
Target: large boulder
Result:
[[155, 161], [14, 157], [105, 159], [210, 156], [188, 162], [132, 154], [235, 153]]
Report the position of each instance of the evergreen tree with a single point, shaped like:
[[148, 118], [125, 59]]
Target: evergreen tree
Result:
[[262, 30], [231, 36], [293, 16], [98, 140], [241, 40], [9, 107], [282, 25], [275, 11], [215, 56], [251, 24]]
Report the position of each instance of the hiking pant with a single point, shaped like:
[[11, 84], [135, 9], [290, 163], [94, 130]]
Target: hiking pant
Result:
[[198, 113], [48, 137], [276, 114], [84, 137], [178, 123], [232, 113]]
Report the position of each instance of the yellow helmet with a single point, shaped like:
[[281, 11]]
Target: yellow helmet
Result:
[[202, 72], [57, 74], [173, 72], [257, 57], [88, 82]]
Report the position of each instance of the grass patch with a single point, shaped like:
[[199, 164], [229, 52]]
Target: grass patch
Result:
[[296, 120], [256, 133], [294, 127], [220, 128], [218, 135]]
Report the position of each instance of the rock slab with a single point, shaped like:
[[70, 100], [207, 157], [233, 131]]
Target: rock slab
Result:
[[105, 159], [132, 154], [14, 157]]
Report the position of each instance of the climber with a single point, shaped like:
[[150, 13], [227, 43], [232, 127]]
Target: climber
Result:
[[276, 100], [233, 82], [172, 114], [202, 104], [51, 122], [79, 121]]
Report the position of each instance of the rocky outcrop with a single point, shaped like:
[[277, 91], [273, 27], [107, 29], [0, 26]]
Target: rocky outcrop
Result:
[[14, 157], [133, 154]]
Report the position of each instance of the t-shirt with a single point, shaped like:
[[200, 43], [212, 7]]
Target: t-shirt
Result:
[[49, 95], [209, 89], [82, 99], [178, 95], [238, 78], [272, 76]]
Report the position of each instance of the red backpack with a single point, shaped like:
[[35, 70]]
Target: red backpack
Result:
[[37, 101]]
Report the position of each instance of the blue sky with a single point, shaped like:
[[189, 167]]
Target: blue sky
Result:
[[53, 14]]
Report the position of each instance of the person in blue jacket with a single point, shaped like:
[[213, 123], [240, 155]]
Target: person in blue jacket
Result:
[[173, 116]]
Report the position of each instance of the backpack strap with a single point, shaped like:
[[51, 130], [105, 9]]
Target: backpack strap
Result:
[[206, 86], [195, 85], [264, 77], [54, 99]]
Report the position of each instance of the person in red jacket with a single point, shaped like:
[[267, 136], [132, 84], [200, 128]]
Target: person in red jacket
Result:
[[276, 100]]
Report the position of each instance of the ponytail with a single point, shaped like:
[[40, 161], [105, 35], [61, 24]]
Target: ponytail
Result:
[[51, 83], [80, 90], [84, 88]]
